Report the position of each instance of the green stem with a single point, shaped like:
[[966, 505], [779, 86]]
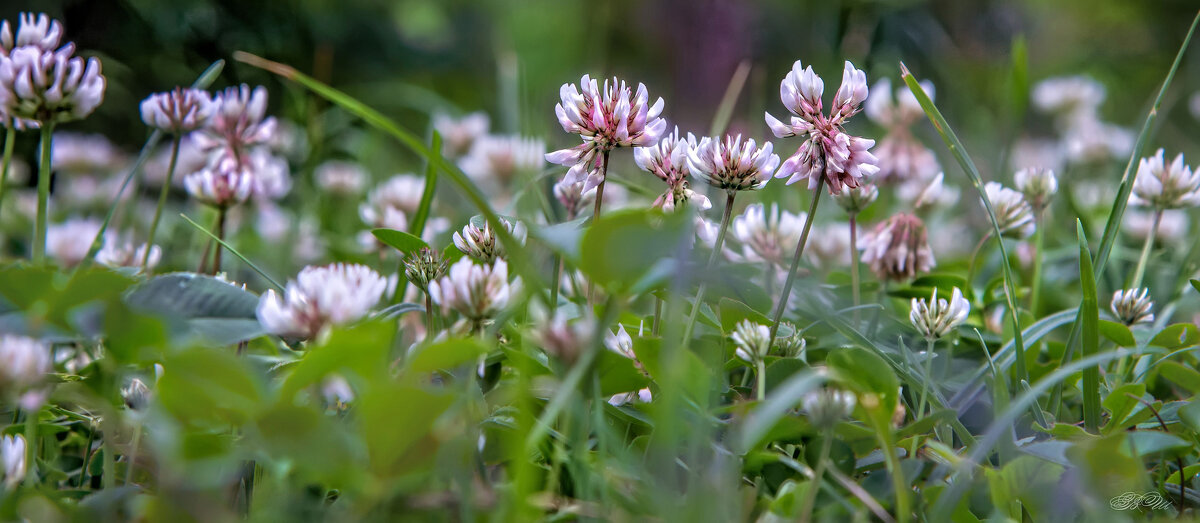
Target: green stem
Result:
[[791, 277], [658, 304], [220, 233], [1039, 246], [10, 135], [596, 210], [109, 479], [854, 279], [928, 380], [133, 452], [162, 202], [810, 495], [39, 228], [31, 446], [712, 259], [760, 379], [1140, 271]]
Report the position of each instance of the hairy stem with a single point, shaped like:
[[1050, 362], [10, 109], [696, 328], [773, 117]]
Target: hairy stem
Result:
[[162, 202], [712, 260], [791, 277], [39, 227]]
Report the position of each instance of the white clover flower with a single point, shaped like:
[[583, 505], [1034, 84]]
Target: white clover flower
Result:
[[570, 194], [68, 242], [927, 194], [899, 111], [1037, 184], [179, 111], [336, 390], [767, 236], [24, 363], [854, 199], [751, 341], [1068, 94], [92, 154], [828, 246], [482, 244], [731, 164], [1013, 214], [827, 406], [1165, 186], [901, 156], [615, 116], [136, 395], [38, 31], [321, 297], [223, 183], [338, 177], [49, 86], [499, 159], [1037, 153], [668, 160], [620, 342], [478, 292], [271, 177], [12, 455], [1132, 306], [120, 251], [938, 318], [459, 134], [1087, 139], [898, 249], [238, 120], [827, 152], [401, 192]]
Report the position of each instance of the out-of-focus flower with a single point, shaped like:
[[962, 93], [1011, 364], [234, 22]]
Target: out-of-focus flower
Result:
[[898, 111], [68, 242], [1037, 153], [565, 339], [477, 292], [191, 159], [24, 363], [570, 194], [180, 111], [927, 194], [1133, 306], [1171, 228], [221, 184], [424, 266], [136, 395], [1075, 102], [827, 152], [854, 199], [828, 406], [482, 244], [829, 246], [120, 251], [337, 177], [271, 179], [668, 160], [938, 318], [49, 86], [620, 342], [289, 140], [90, 154], [459, 134], [616, 116], [238, 120], [38, 31], [1194, 105], [12, 455], [320, 297], [1068, 95], [898, 249], [1037, 184], [401, 192], [901, 156], [768, 236], [337, 391], [790, 340], [1087, 139], [751, 341], [731, 164], [1165, 186], [499, 159], [1013, 213]]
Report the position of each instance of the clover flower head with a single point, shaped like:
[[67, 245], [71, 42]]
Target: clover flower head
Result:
[[179, 111], [459, 134], [572, 197], [482, 243], [339, 177], [424, 266], [223, 183], [91, 154], [478, 292], [321, 297], [854, 199], [401, 192], [24, 363], [927, 193], [238, 120], [898, 249], [120, 251], [827, 406], [68, 242], [501, 158], [49, 86], [33, 30], [732, 164], [767, 235], [751, 340], [1163, 185], [896, 110], [1037, 184], [668, 160], [12, 456], [938, 318], [1068, 94], [1014, 215], [1133, 306], [565, 339]]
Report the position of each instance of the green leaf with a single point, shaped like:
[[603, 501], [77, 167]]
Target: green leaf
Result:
[[1089, 313], [1182, 376], [400, 240], [1117, 333], [444, 355], [1120, 405], [778, 403], [422, 215], [695, 373], [620, 247], [209, 388], [618, 374], [216, 310], [396, 423], [1190, 415], [563, 238], [1195, 284], [866, 373], [1145, 442], [361, 349], [1177, 336]]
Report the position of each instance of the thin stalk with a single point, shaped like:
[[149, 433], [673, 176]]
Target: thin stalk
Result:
[[162, 201], [928, 380], [810, 495], [109, 479], [760, 379], [712, 259], [1140, 271], [39, 228], [10, 135], [31, 446], [791, 277], [1039, 247], [428, 316], [854, 280], [596, 209], [971, 267], [658, 303], [220, 232], [557, 282], [87, 455]]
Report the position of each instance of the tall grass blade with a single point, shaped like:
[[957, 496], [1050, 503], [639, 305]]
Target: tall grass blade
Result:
[[1089, 315]]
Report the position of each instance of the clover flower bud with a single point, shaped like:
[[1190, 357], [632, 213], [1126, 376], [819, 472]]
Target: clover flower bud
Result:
[[751, 341], [424, 266], [1132, 306], [12, 455], [938, 318], [482, 244], [1014, 216], [854, 199], [136, 395], [1037, 184]]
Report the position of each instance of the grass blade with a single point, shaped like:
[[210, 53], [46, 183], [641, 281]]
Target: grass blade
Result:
[[235, 253], [960, 154], [422, 215], [1089, 316], [729, 100]]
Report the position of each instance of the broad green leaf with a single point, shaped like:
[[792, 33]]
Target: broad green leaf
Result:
[[444, 355], [621, 246], [1177, 336], [361, 349], [400, 240], [1147, 442], [213, 309], [209, 388], [1117, 333], [317, 448], [1190, 415], [866, 373], [618, 374], [1181, 375], [733, 312], [396, 422], [563, 238], [1120, 405]]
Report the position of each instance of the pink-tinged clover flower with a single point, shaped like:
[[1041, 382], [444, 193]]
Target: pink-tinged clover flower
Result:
[[49, 86], [179, 111], [668, 160], [828, 152], [238, 120], [898, 249], [615, 116], [478, 292], [731, 164], [321, 297], [38, 31]]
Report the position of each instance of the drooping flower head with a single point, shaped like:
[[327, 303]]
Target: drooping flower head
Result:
[[1014, 215], [827, 152], [482, 243], [615, 116], [320, 297], [768, 235], [898, 249], [570, 194], [478, 292], [1133, 306], [179, 111], [937, 318], [1163, 185], [731, 164], [668, 160]]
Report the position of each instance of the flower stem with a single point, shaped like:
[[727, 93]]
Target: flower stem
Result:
[[810, 495], [974, 258], [1140, 271], [10, 135], [162, 202], [220, 232], [760, 381], [791, 277], [1039, 245], [854, 278], [39, 228], [658, 305], [31, 445], [712, 259], [928, 381], [596, 209]]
